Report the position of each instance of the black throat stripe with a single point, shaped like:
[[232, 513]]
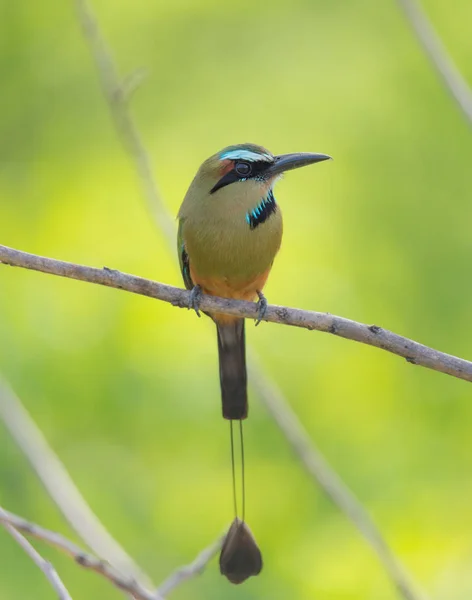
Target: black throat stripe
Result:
[[262, 212]]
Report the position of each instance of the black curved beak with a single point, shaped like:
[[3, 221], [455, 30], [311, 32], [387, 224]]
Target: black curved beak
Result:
[[287, 162]]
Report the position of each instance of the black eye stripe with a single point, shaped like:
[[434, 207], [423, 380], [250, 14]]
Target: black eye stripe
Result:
[[258, 167], [230, 177]]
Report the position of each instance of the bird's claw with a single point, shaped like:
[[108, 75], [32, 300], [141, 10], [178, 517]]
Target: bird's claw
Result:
[[195, 299], [262, 307]]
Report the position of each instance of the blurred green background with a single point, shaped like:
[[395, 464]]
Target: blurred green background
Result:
[[126, 389]]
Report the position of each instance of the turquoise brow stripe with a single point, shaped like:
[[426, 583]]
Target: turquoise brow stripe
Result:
[[245, 155]]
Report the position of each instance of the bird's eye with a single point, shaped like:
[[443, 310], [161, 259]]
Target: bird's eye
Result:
[[243, 168]]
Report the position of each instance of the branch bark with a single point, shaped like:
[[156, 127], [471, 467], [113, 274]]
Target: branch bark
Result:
[[60, 486], [372, 335], [85, 560], [45, 566], [92, 563], [189, 571]]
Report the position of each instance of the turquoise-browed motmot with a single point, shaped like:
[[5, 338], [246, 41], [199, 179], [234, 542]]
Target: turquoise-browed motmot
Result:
[[230, 229]]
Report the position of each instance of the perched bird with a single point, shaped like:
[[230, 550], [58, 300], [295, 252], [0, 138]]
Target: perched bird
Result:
[[230, 229]]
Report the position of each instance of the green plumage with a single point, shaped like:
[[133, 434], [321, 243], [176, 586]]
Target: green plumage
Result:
[[230, 230], [217, 238]]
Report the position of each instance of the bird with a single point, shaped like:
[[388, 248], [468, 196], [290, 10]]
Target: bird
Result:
[[230, 230]]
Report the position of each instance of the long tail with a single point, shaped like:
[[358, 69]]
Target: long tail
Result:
[[233, 377]]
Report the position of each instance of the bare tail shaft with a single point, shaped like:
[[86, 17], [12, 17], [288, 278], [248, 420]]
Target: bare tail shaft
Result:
[[233, 377]]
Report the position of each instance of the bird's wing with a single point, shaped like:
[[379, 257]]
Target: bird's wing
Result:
[[183, 257]]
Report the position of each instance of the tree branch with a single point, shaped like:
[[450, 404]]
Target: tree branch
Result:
[[116, 93], [59, 485], [103, 568], [371, 335], [118, 565], [87, 561], [438, 55], [194, 568], [318, 469], [45, 566]]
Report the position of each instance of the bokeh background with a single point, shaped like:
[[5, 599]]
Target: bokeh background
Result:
[[126, 389]]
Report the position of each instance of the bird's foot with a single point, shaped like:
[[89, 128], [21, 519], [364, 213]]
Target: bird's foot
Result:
[[195, 299], [262, 307]]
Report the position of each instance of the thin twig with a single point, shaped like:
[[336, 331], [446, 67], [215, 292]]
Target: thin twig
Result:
[[372, 335], [130, 137], [59, 484], [45, 566], [116, 94], [194, 568], [438, 55], [88, 561], [319, 470]]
